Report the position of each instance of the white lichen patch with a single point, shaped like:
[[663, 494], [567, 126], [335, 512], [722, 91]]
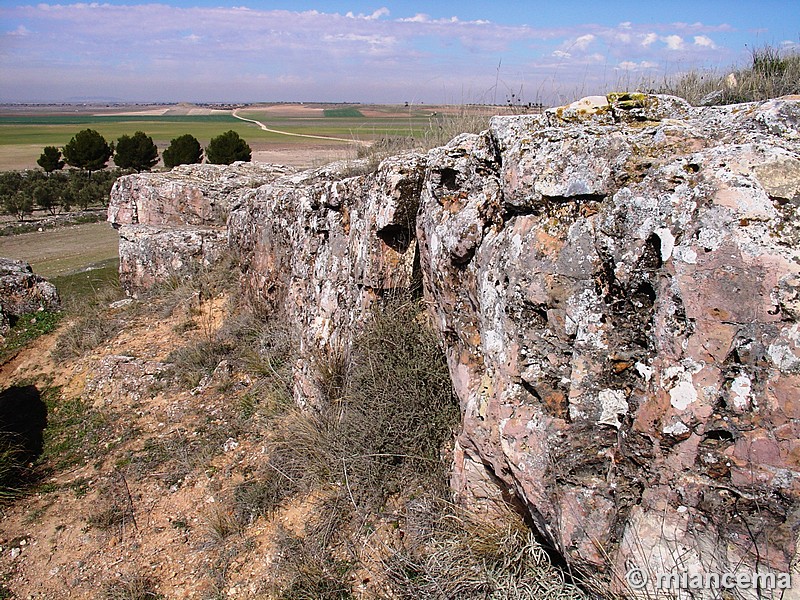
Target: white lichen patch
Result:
[[711, 238], [784, 352], [686, 254], [740, 391], [612, 405], [682, 392], [677, 429], [643, 370], [584, 321], [667, 242]]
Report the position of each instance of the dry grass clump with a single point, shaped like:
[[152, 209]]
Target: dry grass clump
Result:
[[10, 469], [390, 409], [771, 73], [131, 587], [461, 556], [442, 127], [307, 569]]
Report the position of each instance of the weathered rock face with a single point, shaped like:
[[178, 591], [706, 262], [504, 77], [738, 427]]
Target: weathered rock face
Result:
[[320, 249], [617, 286], [173, 224], [620, 315], [21, 291]]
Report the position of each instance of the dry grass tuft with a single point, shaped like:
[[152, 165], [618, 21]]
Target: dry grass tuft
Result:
[[461, 556], [771, 74]]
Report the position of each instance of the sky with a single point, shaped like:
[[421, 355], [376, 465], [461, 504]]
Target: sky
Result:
[[372, 52]]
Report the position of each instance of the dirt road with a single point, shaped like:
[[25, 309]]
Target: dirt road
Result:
[[302, 135]]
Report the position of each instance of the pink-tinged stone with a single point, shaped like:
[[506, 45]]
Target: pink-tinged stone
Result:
[[617, 298]]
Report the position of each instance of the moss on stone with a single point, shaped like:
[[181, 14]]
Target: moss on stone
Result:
[[629, 100]]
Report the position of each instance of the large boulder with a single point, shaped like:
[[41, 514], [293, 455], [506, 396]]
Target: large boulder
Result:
[[172, 224], [22, 291], [320, 247]]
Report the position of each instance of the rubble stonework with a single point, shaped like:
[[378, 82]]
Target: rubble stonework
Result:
[[616, 287]]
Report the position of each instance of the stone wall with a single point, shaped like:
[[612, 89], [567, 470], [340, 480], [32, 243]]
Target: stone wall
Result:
[[617, 288]]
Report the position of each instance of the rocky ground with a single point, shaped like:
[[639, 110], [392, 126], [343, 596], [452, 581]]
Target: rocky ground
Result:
[[145, 475]]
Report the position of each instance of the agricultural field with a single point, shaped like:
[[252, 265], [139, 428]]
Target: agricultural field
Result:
[[301, 135]]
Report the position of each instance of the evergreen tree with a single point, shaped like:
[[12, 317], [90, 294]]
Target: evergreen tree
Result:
[[227, 148], [50, 160], [88, 151], [183, 150], [137, 152]]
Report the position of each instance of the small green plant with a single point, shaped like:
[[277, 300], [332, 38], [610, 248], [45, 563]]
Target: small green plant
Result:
[[28, 327]]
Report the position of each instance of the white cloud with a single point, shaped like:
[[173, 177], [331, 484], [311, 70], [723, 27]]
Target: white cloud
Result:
[[561, 54], [417, 18], [704, 41], [381, 12], [649, 39], [582, 42], [673, 42], [630, 65], [20, 31]]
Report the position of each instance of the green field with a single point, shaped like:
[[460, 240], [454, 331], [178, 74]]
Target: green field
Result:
[[346, 111], [57, 131], [23, 136]]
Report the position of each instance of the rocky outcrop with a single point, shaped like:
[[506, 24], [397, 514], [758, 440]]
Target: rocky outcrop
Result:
[[173, 224], [616, 284], [320, 248], [21, 291], [618, 302]]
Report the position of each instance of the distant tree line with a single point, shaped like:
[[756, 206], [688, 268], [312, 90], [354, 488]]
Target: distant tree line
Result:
[[89, 152]]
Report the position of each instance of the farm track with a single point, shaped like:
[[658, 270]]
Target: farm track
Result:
[[302, 135]]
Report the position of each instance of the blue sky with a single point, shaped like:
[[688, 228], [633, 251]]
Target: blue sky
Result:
[[360, 51]]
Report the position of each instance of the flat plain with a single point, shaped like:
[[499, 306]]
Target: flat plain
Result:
[[26, 129]]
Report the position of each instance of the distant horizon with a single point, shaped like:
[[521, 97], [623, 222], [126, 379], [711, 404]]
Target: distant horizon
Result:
[[331, 51]]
